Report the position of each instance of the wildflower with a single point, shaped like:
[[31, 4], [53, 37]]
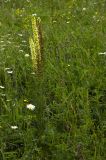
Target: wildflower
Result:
[[33, 73], [24, 41], [54, 21], [9, 72], [98, 20], [8, 100], [26, 55], [7, 69], [25, 100], [1, 41], [84, 9], [30, 106], [14, 127], [20, 34], [2, 87], [34, 14], [21, 50], [104, 53], [68, 22]]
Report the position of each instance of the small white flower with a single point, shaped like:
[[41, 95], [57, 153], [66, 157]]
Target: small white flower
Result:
[[7, 69], [34, 14], [26, 55], [104, 53], [98, 20], [9, 72], [24, 41], [54, 21], [14, 127], [20, 34], [2, 87], [21, 50], [33, 73], [8, 100], [30, 106], [68, 22], [84, 9], [68, 65]]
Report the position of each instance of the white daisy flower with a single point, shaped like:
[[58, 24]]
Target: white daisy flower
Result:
[[84, 9], [30, 106], [68, 65], [104, 53], [26, 55], [2, 87], [54, 21], [33, 73], [34, 14], [7, 69], [14, 127], [9, 72]]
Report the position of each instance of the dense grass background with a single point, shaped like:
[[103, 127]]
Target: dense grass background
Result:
[[70, 98]]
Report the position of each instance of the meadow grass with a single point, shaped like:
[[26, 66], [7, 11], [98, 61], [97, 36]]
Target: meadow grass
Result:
[[66, 115]]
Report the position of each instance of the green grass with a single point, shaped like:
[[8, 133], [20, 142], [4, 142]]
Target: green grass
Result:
[[70, 98]]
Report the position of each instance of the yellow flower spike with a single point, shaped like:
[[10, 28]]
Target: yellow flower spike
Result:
[[33, 53], [36, 44]]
